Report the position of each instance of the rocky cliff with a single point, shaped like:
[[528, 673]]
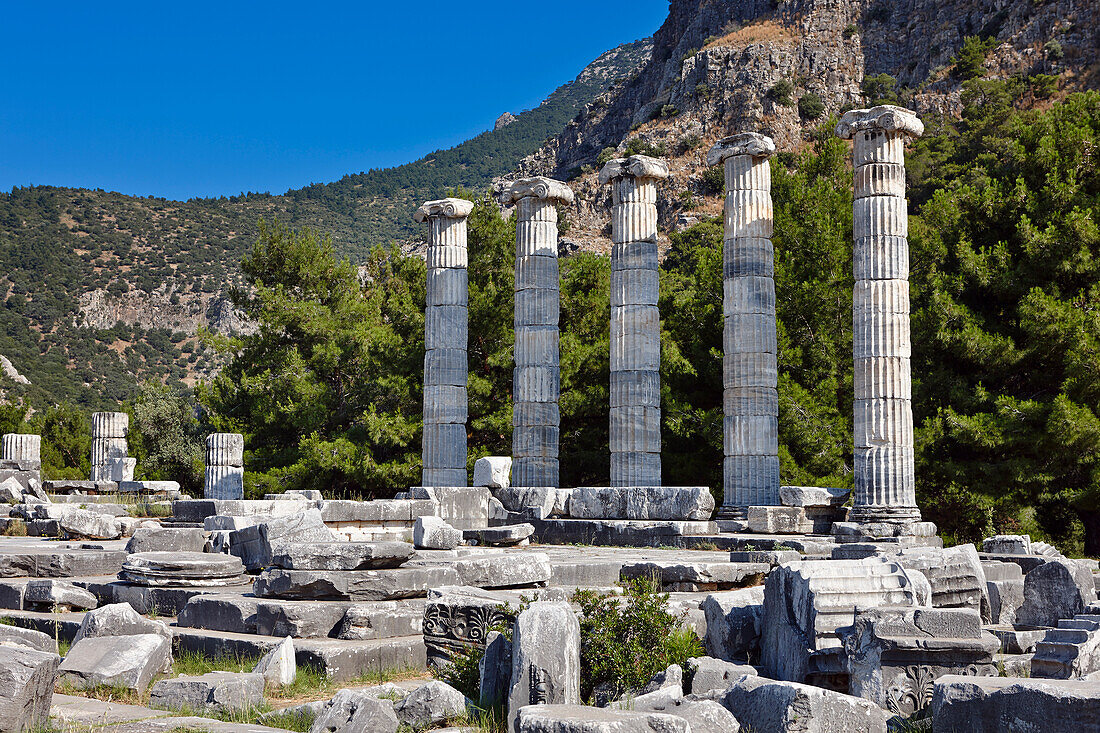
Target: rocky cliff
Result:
[[723, 67]]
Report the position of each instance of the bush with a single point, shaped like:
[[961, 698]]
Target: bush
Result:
[[690, 142], [781, 92], [462, 672], [850, 30], [713, 180], [605, 155], [638, 146], [879, 89], [627, 639], [810, 106], [970, 61], [702, 91], [669, 111], [1054, 50]]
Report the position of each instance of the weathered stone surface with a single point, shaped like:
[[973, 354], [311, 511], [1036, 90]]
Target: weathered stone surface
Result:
[[545, 658], [704, 716], [90, 524], [36, 640], [813, 496], [767, 705], [965, 704], [642, 502], [381, 621], [224, 483], [1069, 651], [432, 533], [807, 601], [11, 491], [697, 576], [187, 569], [1008, 544], [119, 661], [341, 555], [460, 617], [955, 574], [493, 471], [734, 620], [119, 619], [778, 520], [358, 585], [716, 674], [495, 670], [299, 619], [256, 545], [214, 692], [26, 687], [504, 571], [278, 667], [502, 536], [430, 705], [546, 501], [574, 718], [351, 711], [1055, 590], [220, 613], [163, 539], [49, 595], [225, 449]]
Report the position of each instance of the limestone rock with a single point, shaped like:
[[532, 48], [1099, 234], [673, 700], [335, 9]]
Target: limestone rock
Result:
[[91, 525], [118, 661], [492, 471], [214, 692], [779, 520], [573, 718], [256, 545], [546, 651], [1055, 590], [767, 705], [503, 571], [642, 502], [29, 638], [26, 687], [120, 619], [11, 491], [430, 705], [1007, 544], [49, 595], [278, 666], [351, 711], [966, 704], [432, 533], [503, 536], [671, 677], [813, 496], [647, 701], [160, 539], [356, 585], [495, 670], [704, 716], [1070, 651], [716, 674], [955, 575], [341, 555]]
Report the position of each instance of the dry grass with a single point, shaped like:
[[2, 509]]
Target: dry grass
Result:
[[766, 31]]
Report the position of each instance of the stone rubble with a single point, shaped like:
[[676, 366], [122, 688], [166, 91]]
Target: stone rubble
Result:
[[27, 679]]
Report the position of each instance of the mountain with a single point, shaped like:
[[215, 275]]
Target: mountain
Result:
[[101, 290]]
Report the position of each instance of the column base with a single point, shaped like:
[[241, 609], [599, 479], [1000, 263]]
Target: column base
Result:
[[884, 515], [728, 512]]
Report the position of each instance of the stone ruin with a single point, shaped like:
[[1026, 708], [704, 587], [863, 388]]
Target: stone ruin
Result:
[[814, 616]]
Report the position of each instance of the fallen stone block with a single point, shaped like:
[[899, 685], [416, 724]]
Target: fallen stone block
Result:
[[120, 619], [359, 585], [256, 545], [538, 501], [504, 571], [704, 716], [462, 507], [182, 569], [432, 533], [642, 502], [1055, 590], [382, 620], [459, 617], [430, 706], [26, 687], [278, 666], [503, 536], [1008, 544], [56, 595], [163, 539], [716, 674], [36, 640], [770, 557], [966, 704], [955, 574], [494, 472], [779, 520], [220, 613], [1069, 651], [546, 648], [495, 670], [351, 711], [543, 718], [115, 661], [79, 523], [648, 700], [299, 619], [761, 704], [797, 496], [341, 555], [694, 577], [214, 692]]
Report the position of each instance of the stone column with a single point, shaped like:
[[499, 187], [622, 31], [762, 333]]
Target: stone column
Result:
[[536, 384], [224, 466], [750, 472], [108, 442], [446, 323], [884, 472], [635, 321], [23, 449]]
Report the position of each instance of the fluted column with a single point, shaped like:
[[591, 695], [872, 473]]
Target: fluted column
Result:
[[750, 440], [23, 449], [884, 461], [536, 383], [108, 442], [446, 323], [635, 321], [224, 466]]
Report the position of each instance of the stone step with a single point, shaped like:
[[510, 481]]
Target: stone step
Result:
[[1066, 636], [1083, 624]]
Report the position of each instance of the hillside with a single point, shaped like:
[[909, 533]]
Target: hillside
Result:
[[101, 290]]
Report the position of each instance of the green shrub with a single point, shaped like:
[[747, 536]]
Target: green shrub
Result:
[[970, 60], [713, 180], [462, 672], [605, 155], [781, 92], [702, 91], [810, 106], [669, 111], [627, 639], [638, 146], [879, 89], [1054, 50], [690, 142], [850, 30]]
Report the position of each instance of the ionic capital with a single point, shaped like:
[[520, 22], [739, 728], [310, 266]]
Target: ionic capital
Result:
[[544, 189], [886, 117], [638, 166], [446, 208], [745, 143]]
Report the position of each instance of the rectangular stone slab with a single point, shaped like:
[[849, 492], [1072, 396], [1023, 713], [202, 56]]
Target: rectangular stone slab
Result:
[[341, 555], [360, 585]]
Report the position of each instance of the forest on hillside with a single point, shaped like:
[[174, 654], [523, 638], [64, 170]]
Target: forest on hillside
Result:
[[1005, 291]]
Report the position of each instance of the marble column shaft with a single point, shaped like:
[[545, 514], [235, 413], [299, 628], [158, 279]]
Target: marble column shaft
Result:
[[536, 384], [750, 441], [224, 466], [882, 347], [108, 442], [446, 326], [635, 414]]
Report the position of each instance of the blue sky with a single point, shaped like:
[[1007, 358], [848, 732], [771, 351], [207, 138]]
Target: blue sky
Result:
[[202, 98]]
